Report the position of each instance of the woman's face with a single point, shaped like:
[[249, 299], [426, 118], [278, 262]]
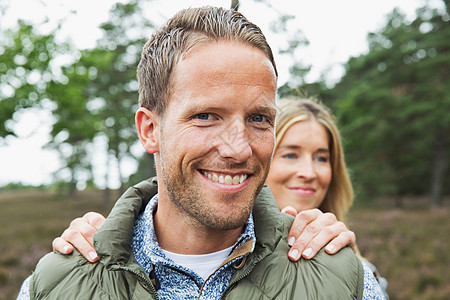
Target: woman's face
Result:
[[301, 171]]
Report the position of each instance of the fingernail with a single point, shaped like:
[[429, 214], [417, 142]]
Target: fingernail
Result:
[[294, 254], [284, 209], [291, 241], [307, 252], [330, 248], [92, 255], [66, 248]]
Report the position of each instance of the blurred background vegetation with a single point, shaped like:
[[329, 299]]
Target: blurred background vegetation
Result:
[[392, 105]]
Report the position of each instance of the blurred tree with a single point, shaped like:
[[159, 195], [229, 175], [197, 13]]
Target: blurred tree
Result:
[[393, 105], [124, 34], [103, 92], [26, 58], [295, 41], [76, 126]]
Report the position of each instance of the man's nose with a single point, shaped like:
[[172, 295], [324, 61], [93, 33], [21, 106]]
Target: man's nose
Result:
[[235, 143]]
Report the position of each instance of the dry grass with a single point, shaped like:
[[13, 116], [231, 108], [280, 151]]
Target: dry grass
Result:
[[28, 224], [409, 246]]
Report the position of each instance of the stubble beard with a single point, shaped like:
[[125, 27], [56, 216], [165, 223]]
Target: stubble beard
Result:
[[187, 195]]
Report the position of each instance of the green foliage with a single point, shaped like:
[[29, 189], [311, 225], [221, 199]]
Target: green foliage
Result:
[[392, 106], [15, 186], [25, 70], [94, 96], [100, 95]]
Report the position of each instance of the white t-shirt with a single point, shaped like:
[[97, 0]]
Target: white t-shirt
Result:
[[204, 264]]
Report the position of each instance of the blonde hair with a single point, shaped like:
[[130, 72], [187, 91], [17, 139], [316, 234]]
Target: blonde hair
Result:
[[187, 29], [339, 196]]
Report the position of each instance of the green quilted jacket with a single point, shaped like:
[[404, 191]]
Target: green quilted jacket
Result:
[[266, 273]]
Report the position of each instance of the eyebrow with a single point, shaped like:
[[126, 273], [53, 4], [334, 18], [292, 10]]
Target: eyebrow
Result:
[[321, 150], [195, 108], [295, 147], [267, 109]]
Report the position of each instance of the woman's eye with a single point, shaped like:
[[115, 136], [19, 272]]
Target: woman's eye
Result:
[[322, 159], [289, 156]]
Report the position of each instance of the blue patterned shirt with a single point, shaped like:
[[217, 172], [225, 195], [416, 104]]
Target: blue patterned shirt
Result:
[[175, 281]]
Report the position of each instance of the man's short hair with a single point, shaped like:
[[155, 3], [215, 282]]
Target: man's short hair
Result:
[[188, 28]]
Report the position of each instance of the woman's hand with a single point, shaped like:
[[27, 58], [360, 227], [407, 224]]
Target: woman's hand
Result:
[[310, 232], [313, 229], [80, 235]]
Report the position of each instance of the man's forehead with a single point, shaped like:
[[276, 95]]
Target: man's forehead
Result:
[[215, 68], [219, 53], [262, 103]]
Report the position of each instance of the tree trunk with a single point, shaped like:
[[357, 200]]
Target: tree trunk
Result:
[[72, 189], [439, 166], [72, 185], [107, 192], [119, 172], [235, 5], [447, 6]]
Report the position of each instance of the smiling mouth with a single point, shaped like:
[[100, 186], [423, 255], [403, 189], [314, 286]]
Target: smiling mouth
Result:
[[303, 191], [225, 178]]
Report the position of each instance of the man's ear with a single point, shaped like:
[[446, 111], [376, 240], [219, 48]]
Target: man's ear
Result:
[[147, 124]]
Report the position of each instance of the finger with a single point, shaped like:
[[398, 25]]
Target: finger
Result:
[[86, 230], [290, 211], [301, 221], [62, 246], [78, 240], [94, 219], [347, 238], [322, 238], [305, 227], [88, 226]]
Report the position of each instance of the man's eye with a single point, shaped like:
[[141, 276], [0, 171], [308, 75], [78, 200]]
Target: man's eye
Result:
[[259, 118], [203, 116]]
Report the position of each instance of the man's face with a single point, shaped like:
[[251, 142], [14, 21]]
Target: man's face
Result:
[[217, 133]]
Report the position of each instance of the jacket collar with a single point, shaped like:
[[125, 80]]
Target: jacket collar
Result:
[[113, 241], [268, 224]]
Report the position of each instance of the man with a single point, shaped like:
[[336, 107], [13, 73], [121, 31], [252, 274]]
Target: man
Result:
[[207, 84]]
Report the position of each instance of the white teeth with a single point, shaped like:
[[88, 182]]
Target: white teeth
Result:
[[227, 179]]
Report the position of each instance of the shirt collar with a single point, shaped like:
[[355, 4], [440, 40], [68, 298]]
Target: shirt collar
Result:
[[145, 244]]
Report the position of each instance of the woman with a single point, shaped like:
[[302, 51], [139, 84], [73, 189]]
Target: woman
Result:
[[308, 169], [307, 175], [308, 151]]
